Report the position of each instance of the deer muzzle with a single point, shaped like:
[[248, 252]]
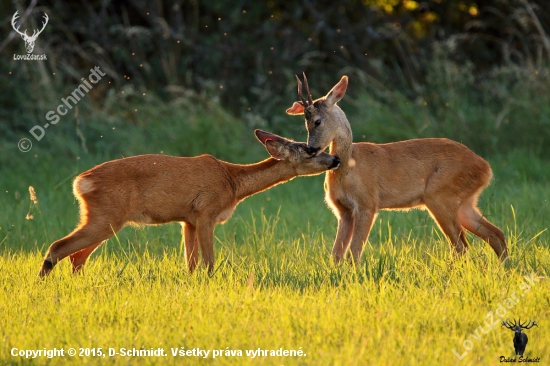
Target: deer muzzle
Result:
[[335, 163]]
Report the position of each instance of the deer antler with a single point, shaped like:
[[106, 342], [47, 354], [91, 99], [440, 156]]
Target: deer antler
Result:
[[302, 100], [309, 98], [13, 19], [508, 324], [530, 324]]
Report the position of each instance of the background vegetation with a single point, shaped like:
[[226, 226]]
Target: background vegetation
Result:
[[193, 77], [473, 71]]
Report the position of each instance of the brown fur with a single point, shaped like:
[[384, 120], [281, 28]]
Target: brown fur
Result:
[[441, 175], [199, 192]]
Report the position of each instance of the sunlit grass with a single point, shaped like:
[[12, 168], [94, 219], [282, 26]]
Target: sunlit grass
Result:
[[408, 302]]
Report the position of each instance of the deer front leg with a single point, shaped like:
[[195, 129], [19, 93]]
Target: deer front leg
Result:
[[343, 235], [191, 246], [205, 236], [361, 231]]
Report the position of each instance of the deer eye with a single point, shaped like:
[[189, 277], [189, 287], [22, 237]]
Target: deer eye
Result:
[[317, 122]]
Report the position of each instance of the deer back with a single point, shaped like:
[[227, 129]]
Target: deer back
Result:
[[154, 188], [400, 175]]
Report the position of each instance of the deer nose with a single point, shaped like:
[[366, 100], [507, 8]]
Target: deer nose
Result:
[[335, 163], [312, 150]]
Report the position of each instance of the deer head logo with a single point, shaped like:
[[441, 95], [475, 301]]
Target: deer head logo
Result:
[[520, 339], [29, 40]]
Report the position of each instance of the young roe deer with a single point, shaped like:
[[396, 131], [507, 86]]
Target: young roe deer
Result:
[[441, 175], [199, 192]]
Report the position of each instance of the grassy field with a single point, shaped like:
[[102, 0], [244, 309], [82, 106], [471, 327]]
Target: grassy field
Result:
[[274, 288]]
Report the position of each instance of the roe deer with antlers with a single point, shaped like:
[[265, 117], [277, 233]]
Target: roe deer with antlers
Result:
[[441, 175], [199, 192]]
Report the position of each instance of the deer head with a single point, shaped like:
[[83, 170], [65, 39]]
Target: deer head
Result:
[[29, 40], [519, 326], [297, 154], [324, 119]]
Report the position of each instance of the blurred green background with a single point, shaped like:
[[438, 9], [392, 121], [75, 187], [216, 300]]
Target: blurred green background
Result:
[[187, 77]]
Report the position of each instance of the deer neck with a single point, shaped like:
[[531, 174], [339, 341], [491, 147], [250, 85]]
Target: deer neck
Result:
[[341, 145], [255, 178]]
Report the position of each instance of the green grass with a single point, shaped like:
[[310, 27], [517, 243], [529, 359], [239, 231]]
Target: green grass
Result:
[[406, 303]]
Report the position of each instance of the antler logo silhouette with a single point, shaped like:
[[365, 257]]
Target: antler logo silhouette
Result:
[[520, 339], [29, 40]]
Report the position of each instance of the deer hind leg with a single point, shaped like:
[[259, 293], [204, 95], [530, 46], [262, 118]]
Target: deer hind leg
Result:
[[473, 221], [83, 237], [343, 235], [191, 246], [361, 230], [446, 216], [79, 258]]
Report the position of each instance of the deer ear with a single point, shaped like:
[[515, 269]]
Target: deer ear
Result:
[[264, 136], [338, 91], [296, 109], [275, 145], [276, 150]]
